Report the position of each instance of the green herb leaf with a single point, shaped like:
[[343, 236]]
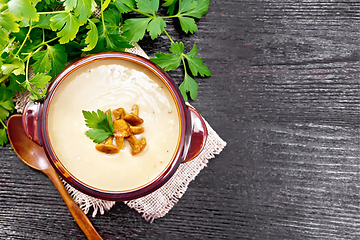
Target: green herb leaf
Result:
[[188, 24], [189, 85], [23, 9], [14, 85], [105, 5], [83, 10], [69, 25], [52, 59], [134, 28], [112, 39], [8, 22], [196, 64], [187, 5], [201, 8], [99, 120], [155, 27], [3, 137], [98, 135], [91, 37], [148, 6], [100, 123], [44, 21], [170, 61], [4, 37], [6, 104], [124, 6], [167, 61], [177, 48], [16, 66], [171, 4], [70, 5], [189, 9], [40, 80]]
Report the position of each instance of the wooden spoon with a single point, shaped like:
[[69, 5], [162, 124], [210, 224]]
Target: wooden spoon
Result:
[[34, 156]]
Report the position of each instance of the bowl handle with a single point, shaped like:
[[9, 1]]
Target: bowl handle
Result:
[[31, 120], [199, 134]]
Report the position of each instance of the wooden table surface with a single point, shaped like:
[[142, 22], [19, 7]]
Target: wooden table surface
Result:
[[285, 96]]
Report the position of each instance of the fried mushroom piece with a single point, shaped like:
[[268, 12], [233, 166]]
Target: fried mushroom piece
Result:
[[135, 110], [136, 129], [122, 128], [133, 119], [107, 147], [137, 146], [119, 113], [119, 142]]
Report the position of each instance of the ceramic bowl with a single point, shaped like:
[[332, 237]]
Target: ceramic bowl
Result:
[[192, 137]]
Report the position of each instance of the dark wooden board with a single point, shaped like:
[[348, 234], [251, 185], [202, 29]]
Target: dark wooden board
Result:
[[284, 94]]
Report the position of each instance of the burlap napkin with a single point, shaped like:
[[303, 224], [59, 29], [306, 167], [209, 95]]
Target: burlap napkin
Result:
[[160, 202]]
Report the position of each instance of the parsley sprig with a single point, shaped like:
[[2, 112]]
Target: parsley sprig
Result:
[[37, 39], [101, 125]]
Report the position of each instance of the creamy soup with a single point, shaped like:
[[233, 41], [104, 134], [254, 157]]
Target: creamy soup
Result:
[[112, 84]]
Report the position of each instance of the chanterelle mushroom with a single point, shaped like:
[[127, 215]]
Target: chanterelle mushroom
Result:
[[122, 128], [119, 113], [135, 110], [107, 147], [136, 129], [137, 146], [133, 119]]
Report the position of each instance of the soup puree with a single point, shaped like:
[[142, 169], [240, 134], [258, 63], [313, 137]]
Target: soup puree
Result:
[[112, 84]]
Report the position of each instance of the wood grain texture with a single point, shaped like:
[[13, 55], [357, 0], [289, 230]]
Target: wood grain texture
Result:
[[284, 94]]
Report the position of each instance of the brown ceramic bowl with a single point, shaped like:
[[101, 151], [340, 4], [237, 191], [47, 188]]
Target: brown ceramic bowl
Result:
[[191, 138]]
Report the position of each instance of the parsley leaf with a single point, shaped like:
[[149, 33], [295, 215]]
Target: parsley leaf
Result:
[[52, 59], [4, 37], [8, 22], [100, 123], [201, 8], [83, 10], [3, 137], [196, 64], [155, 27], [91, 37], [34, 85], [68, 23], [6, 104], [189, 85], [189, 9], [124, 6], [167, 61], [23, 9], [172, 61], [148, 6], [188, 24], [40, 80], [171, 4], [98, 135], [15, 66], [134, 28], [108, 33], [114, 41]]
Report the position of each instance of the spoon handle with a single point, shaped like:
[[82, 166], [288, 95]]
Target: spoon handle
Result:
[[80, 217]]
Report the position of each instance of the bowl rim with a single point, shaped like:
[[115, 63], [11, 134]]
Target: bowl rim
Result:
[[178, 156]]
